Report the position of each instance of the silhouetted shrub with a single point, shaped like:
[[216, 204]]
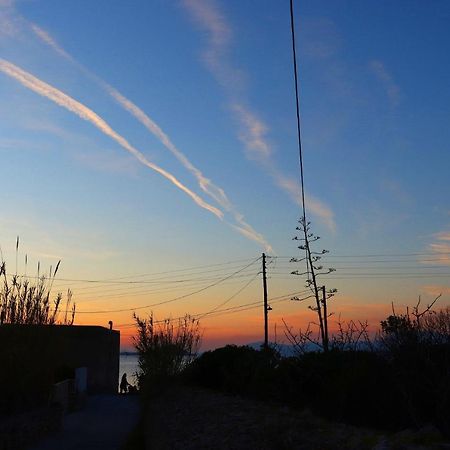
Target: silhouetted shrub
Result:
[[165, 348], [355, 387], [358, 387], [235, 369], [417, 347], [400, 380]]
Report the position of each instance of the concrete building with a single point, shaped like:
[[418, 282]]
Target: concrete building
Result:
[[61, 349]]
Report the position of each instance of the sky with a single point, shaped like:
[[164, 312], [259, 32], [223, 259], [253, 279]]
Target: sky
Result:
[[152, 147]]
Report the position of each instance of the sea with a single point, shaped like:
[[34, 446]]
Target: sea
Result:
[[128, 364]]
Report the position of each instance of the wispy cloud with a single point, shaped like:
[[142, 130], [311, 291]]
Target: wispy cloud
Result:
[[253, 134], [443, 236], [390, 86], [205, 184], [208, 16], [253, 130], [31, 82], [436, 289], [210, 188], [441, 247], [318, 208], [47, 39], [249, 232], [9, 23]]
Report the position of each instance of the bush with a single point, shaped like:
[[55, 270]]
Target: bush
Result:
[[417, 347], [235, 369], [165, 348]]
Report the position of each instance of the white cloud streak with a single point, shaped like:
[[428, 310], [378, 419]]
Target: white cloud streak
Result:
[[319, 209], [31, 82], [47, 39], [391, 88], [253, 131], [205, 184], [211, 189], [441, 248]]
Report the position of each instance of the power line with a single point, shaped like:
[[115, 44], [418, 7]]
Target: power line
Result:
[[89, 298], [117, 280], [371, 276], [157, 288], [362, 255], [246, 285], [173, 299], [297, 110], [255, 304], [235, 261]]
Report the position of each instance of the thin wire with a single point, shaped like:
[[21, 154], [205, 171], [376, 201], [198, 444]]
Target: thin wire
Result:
[[387, 255], [220, 305], [198, 315], [89, 298], [369, 276], [114, 280], [173, 299], [256, 305], [297, 108]]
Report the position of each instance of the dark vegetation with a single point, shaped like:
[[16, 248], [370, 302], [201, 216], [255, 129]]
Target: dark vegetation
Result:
[[26, 302], [26, 375], [166, 348], [400, 382], [397, 380]]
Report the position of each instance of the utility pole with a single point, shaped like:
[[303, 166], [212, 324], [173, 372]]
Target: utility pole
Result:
[[266, 306], [325, 319]]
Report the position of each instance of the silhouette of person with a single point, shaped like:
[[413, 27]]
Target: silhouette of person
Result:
[[124, 384]]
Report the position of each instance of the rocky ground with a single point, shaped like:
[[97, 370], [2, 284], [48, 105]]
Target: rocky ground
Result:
[[192, 418]]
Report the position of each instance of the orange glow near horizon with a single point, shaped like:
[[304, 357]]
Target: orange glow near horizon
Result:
[[228, 326], [248, 326]]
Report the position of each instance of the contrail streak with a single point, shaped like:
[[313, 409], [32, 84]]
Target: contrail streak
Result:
[[57, 96], [205, 184], [219, 37], [214, 191]]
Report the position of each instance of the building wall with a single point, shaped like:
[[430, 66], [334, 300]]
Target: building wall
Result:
[[66, 347]]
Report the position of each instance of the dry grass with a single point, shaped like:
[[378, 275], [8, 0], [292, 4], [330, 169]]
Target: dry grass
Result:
[[30, 302]]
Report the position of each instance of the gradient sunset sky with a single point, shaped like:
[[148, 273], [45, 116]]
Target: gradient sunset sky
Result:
[[151, 146]]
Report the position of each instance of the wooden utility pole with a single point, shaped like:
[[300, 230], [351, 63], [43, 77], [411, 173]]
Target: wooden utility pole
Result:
[[325, 319], [266, 306]]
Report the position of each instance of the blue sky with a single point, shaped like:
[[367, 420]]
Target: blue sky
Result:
[[213, 83]]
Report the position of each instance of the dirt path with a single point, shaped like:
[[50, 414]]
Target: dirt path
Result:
[[104, 423], [187, 418]]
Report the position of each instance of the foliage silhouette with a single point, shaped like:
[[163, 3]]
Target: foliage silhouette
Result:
[[314, 270], [25, 302], [390, 382], [165, 348]]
